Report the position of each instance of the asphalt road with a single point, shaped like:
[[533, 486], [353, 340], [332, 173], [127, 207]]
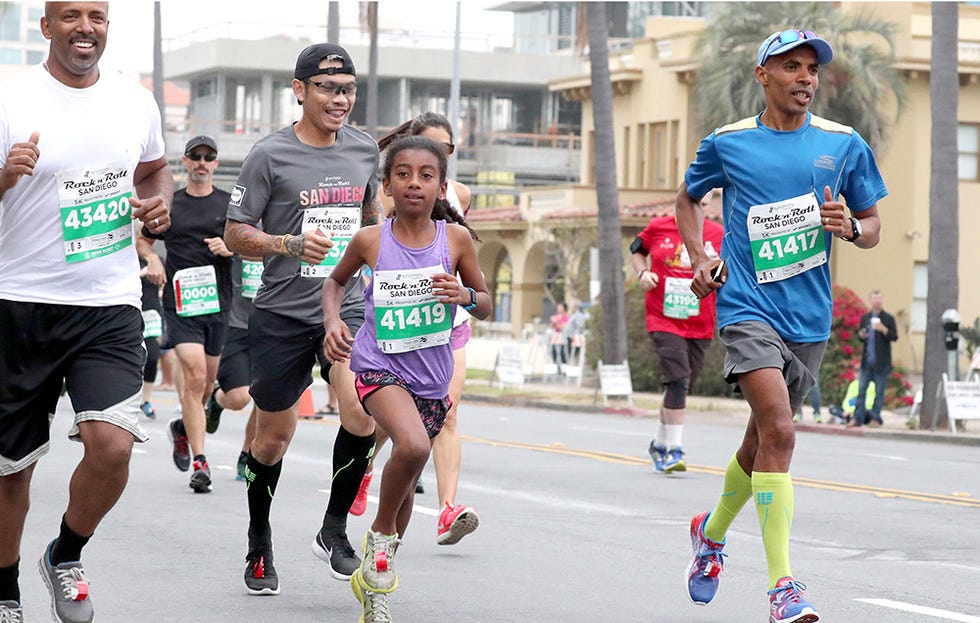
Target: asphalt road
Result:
[[575, 527]]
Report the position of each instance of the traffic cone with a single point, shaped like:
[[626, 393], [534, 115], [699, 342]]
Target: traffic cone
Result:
[[306, 407]]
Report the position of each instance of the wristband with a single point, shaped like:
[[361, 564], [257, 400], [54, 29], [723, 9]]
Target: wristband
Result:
[[472, 304], [282, 244], [639, 274]]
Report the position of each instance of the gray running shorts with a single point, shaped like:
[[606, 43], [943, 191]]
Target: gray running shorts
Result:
[[753, 345]]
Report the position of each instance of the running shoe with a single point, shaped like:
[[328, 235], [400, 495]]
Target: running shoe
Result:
[[675, 461], [335, 550], [212, 412], [242, 457], [702, 573], [374, 604], [68, 588], [455, 522], [148, 411], [360, 502], [786, 603], [419, 487], [658, 454], [11, 611], [260, 574], [201, 478], [178, 437], [375, 573]]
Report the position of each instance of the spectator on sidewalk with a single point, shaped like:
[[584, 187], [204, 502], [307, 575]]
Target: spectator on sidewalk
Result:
[[680, 325], [878, 331]]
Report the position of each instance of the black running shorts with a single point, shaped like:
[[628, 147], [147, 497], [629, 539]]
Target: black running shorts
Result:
[[97, 352], [282, 352]]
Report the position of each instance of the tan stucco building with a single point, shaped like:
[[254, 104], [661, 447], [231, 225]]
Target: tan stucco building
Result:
[[656, 138]]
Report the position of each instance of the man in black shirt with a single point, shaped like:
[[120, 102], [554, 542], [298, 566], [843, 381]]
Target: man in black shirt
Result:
[[196, 298], [878, 330]]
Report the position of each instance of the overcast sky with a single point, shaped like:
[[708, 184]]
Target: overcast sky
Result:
[[130, 46]]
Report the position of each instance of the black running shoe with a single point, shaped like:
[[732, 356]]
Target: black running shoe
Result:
[[335, 549], [212, 412], [201, 478], [178, 437], [419, 487], [260, 574]]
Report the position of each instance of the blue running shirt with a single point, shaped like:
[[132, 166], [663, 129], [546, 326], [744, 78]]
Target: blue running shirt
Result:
[[776, 251]]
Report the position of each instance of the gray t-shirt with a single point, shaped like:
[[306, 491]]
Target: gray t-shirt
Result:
[[280, 178], [241, 306]]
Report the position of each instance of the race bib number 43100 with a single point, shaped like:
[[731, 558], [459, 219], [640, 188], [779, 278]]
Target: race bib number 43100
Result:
[[96, 217], [407, 315]]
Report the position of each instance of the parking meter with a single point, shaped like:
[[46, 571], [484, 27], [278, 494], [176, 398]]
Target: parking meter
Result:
[[951, 329]]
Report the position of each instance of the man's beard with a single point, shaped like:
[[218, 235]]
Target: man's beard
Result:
[[199, 178]]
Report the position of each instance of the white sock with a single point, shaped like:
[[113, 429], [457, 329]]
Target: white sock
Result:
[[660, 439], [674, 434]]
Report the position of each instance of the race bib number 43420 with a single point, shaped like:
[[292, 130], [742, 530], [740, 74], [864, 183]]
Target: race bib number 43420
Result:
[[787, 238], [96, 218]]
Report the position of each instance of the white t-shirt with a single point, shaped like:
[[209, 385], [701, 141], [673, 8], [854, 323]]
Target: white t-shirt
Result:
[[89, 141]]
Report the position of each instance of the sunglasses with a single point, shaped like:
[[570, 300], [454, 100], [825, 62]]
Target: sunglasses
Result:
[[208, 157], [328, 88], [787, 36], [449, 147]]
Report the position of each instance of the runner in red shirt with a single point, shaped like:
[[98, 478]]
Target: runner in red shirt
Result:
[[680, 325]]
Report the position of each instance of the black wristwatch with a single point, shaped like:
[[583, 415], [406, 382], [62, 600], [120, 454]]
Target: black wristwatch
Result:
[[856, 227], [472, 304]]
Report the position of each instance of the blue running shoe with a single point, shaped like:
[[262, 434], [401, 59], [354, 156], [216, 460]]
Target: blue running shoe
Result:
[[675, 461], [148, 411], [786, 603], [702, 573], [658, 454]]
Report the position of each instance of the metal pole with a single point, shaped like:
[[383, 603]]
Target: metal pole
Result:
[[333, 23], [454, 91], [158, 63]]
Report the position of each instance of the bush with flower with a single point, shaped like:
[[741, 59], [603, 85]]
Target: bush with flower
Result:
[[842, 359]]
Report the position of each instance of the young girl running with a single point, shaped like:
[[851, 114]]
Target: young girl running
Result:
[[402, 355]]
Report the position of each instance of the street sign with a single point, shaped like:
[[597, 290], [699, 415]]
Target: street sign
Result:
[[508, 370], [614, 380], [962, 400]]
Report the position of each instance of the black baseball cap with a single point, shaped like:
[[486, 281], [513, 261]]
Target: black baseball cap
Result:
[[197, 141], [308, 63]]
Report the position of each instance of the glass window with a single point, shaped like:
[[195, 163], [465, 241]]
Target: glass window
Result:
[[968, 143], [34, 36], [9, 21], [10, 56], [35, 58]]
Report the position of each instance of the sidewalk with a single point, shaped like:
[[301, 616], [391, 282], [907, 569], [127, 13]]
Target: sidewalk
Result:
[[561, 396]]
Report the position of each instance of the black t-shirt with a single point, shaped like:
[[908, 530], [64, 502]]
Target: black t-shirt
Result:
[[192, 220]]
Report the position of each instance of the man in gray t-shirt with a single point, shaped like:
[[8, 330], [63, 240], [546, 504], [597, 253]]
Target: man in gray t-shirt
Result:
[[310, 185]]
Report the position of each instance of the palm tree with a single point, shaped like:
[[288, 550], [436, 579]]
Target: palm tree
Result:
[[944, 202], [607, 190], [851, 88]]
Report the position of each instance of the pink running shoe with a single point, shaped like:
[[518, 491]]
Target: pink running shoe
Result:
[[360, 502], [455, 522]]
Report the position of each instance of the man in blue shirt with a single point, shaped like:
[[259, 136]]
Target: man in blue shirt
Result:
[[782, 173]]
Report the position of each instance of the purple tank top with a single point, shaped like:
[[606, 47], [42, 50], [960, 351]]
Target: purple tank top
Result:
[[426, 370]]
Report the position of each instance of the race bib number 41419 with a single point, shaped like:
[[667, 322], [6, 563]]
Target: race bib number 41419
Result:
[[407, 315], [787, 238], [96, 217]]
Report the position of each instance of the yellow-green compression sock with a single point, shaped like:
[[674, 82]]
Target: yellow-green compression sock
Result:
[[736, 491], [774, 503]]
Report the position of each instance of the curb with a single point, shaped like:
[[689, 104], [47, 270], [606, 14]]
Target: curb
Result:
[[824, 429]]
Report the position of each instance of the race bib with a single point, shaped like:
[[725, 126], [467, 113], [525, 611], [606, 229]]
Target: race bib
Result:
[[251, 278], [340, 224], [196, 291], [787, 238], [679, 301], [96, 216], [407, 315], [152, 323]]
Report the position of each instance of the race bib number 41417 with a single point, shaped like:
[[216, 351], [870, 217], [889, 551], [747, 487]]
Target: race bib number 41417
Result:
[[96, 217], [787, 238]]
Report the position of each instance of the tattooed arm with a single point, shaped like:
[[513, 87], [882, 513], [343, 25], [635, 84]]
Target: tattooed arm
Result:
[[247, 240]]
